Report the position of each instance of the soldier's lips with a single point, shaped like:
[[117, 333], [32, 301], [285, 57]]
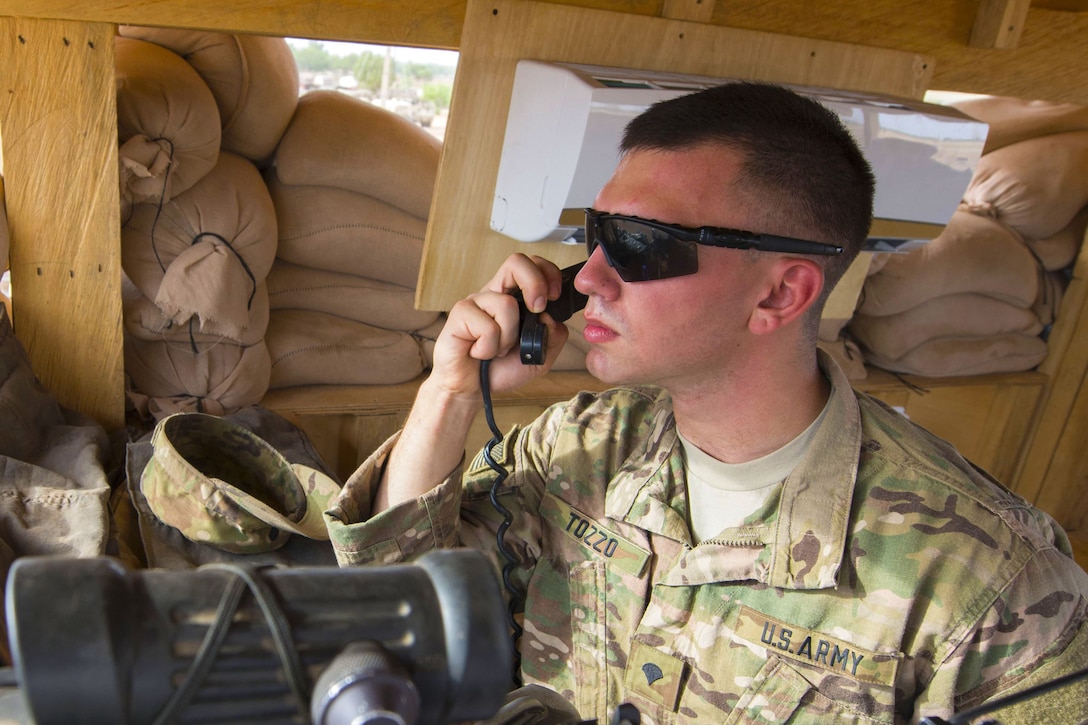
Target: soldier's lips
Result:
[[596, 334]]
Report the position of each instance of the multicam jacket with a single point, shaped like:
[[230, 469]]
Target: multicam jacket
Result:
[[888, 581]]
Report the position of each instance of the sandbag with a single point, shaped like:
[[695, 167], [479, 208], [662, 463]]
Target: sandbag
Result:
[[341, 141], [950, 356], [314, 348], [1012, 120], [143, 319], [168, 125], [1036, 186], [965, 314], [381, 304], [216, 378], [1059, 250], [253, 78], [1051, 291], [344, 231], [205, 253], [973, 254], [427, 338]]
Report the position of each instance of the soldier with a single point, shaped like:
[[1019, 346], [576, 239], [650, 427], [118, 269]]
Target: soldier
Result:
[[731, 533]]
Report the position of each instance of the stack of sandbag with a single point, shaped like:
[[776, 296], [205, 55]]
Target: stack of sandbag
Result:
[[980, 297], [197, 114], [351, 184]]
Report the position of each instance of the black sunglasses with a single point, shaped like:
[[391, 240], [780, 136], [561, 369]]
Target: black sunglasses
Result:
[[641, 250]]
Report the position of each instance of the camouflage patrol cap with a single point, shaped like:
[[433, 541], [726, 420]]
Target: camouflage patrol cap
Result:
[[220, 484]]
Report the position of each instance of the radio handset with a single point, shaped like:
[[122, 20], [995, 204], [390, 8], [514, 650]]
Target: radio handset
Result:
[[533, 333]]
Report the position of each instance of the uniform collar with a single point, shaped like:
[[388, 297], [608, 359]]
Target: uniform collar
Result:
[[802, 547]]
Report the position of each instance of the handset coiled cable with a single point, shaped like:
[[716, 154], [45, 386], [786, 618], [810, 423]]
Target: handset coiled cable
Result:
[[507, 517]]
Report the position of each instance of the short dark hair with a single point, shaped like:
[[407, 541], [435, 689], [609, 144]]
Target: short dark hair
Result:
[[801, 162]]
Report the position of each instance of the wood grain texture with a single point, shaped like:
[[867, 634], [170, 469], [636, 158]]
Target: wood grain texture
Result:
[[701, 11], [999, 23], [1050, 470], [58, 121], [1048, 62]]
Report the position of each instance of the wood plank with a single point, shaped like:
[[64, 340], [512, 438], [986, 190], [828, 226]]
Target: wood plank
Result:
[[699, 11], [420, 23], [58, 112], [1065, 365], [429, 23], [999, 23], [461, 251], [1064, 491], [1047, 63]]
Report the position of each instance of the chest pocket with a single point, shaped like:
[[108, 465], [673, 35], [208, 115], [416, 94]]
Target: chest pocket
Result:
[[779, 693]]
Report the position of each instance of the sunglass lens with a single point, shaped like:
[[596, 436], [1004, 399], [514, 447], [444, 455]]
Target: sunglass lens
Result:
[[640, 252]]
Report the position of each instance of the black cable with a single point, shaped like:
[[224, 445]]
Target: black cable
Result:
[[205, 655], [507, 517], [161, 202], [242, 578]]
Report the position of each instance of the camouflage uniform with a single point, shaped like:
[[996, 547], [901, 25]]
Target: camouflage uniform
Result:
[[888, 580]]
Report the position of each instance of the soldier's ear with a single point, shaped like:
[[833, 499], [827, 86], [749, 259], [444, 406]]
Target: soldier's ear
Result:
[[795, 285]]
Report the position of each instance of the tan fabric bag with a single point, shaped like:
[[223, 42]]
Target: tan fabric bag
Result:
[[143, 319], [174, 377], [1036, 186], [168, 126], [1013, 120], [381, 304], [1058, 251], [344, 231], [966, 314], [314, 348], [950, 356], [253, 78], [205, 253], [340, 141], [973, 254]]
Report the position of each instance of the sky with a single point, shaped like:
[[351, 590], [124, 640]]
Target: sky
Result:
[[402, 53]]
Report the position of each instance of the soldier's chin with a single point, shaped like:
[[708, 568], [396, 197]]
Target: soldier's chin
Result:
[[607, 371]]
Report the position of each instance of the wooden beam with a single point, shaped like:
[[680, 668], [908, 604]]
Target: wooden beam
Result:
[[1047, 63], [428, 23], [699, 11], [999, 23], [58, 112]]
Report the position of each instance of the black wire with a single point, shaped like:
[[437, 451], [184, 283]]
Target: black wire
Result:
[[507, 517], [161, 202], [242, 578]]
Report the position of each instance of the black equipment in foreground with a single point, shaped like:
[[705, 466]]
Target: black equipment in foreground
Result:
[[93, 642]]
